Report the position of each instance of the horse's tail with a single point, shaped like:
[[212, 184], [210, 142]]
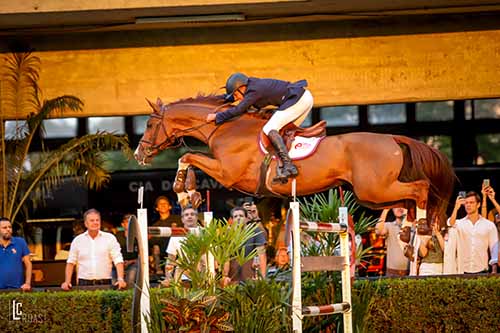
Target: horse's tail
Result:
[[424, 162]]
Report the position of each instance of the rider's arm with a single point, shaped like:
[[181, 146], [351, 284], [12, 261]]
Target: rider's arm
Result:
[[251, 96]]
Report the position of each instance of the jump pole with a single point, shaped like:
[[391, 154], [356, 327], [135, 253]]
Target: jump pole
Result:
[[142, 218]]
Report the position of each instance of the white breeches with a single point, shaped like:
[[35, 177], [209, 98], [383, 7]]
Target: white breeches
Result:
[[295, 113]]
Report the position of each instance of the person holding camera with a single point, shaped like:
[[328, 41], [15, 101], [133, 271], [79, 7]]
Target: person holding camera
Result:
[[431, 250], [477, 234], [489, 193], [396, 262]]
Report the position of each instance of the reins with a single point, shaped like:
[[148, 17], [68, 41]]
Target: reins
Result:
[[179, 134]]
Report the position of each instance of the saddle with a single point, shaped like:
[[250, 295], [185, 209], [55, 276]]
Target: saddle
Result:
[[290, 131]]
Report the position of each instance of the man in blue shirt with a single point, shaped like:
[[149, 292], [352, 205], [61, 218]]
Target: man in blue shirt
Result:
[[14, 253]]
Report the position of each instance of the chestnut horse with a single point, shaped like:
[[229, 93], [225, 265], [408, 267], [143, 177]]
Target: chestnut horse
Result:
[[383, 170]]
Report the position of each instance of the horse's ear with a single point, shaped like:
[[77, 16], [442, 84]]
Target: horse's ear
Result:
[[159, 102], [154, 106]]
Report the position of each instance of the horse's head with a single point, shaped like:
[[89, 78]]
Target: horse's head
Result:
[[156, 136]]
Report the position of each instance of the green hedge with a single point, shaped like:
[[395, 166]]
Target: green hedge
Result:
[[73, 311], [386, 305], [433, 305]]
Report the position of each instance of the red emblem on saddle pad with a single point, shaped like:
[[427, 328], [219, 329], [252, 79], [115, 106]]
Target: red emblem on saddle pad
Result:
[[301, 147]]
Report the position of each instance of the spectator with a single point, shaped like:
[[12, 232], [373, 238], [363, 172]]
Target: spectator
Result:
[[94, 252], [431, 250], [159, 245], [253, 213], [494, 214], [396, 262], [281, 261], [129, 259], [189, 219], [14, 254], [477, 235], [234, 271]]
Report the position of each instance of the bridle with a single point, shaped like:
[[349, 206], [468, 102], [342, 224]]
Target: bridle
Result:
[[151, 149]]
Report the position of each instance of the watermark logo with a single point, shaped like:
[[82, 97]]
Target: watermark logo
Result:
[[19, 315], [17, 310]]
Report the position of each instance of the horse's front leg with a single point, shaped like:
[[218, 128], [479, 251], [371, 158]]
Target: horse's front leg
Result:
[[210, 166]]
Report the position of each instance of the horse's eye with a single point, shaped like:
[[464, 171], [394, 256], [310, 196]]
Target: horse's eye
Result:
[[148, 125]]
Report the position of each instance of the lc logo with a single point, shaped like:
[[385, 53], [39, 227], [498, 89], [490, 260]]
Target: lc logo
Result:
[[17, 310]]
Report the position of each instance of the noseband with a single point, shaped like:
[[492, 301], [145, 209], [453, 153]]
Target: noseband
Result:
[[149, 147]]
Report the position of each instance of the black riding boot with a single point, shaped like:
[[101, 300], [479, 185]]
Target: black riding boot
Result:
[[288, 169]]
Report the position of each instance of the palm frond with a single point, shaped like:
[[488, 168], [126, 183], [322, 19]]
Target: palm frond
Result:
[[78, 158], [20, 91]]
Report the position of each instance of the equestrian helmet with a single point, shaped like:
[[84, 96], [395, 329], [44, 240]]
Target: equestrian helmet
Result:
[[235, 81]]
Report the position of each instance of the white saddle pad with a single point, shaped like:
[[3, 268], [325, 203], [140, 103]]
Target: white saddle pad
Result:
[[301, 147]]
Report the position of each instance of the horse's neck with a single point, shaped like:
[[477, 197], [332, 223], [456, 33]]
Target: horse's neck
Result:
[[194, 124]]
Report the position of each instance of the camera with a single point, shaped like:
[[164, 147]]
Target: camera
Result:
[[462, 194]]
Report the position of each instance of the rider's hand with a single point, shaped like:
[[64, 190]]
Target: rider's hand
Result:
[[210, 117]]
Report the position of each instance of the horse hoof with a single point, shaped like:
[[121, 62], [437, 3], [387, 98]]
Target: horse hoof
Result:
[[195, 199], [178, 187], [280, 180]]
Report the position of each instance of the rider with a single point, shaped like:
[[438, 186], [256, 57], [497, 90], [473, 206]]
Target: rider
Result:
[[293, 100]]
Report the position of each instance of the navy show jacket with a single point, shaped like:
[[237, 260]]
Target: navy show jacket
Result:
[[264, 92]]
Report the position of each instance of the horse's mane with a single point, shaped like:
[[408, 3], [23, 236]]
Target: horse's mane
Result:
[[211, 100]]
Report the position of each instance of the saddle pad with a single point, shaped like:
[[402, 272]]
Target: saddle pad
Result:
[[301, 147]]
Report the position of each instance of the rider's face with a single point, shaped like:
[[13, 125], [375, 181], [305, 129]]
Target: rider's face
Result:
[[239, 93]]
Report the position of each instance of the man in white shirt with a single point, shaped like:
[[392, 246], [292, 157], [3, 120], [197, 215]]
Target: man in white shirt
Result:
[[94, 252], [476, 234], [189, 219]]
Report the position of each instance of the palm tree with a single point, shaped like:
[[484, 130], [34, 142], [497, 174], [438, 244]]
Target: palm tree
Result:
[[26, 178]]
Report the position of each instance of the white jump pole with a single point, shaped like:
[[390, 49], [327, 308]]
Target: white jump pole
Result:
[[207, 219], [142, 218], [346, 272], [296, 269]]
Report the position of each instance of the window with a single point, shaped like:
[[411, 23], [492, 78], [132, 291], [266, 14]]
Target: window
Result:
[[487, 109], [434, 111], [387, 114], [109, 124], [140, 124], [440, 142], [15, 129], [308, 121], [488, 148], [468, 110], [340, 115], [60, 128]]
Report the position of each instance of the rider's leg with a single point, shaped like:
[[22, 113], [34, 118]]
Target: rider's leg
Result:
[[295, 113], [288, 168]]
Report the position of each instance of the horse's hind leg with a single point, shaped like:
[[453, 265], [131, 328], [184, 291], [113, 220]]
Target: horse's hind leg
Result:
[[395, 191]]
